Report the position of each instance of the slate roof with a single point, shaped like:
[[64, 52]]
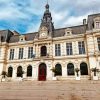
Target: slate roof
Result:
[[11, 37], [75, 30], [90, 20], [5, 35], [28, 37]]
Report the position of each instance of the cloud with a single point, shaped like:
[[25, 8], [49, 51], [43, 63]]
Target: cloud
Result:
[[20, 14]]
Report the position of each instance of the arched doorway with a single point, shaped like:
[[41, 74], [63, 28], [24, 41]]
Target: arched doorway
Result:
[[19, 72], [43, 51], [83, 69], [10, 71], [58, 69], [42, 72], [70, 69], [29, 71]]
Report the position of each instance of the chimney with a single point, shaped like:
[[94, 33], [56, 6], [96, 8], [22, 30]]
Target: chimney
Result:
[[84, 21]]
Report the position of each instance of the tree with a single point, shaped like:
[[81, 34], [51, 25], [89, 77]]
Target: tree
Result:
[[77, 70], [95, 70], [4, 74]]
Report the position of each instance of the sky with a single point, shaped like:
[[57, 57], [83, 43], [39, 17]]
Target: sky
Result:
[[24, 16]]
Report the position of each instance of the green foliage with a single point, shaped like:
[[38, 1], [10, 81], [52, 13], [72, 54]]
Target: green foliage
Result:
[[56, 71], [4, 74], [77, 70], [94, 69]]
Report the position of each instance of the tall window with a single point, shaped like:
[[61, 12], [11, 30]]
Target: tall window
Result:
[[70, 69], [20, 53], [10, 71], [19, 71], [97, 24], [81, 47], [69, 49], [57, 50], [30, 52], [98, 40], [11, 54], [83, 68], [29, 71], [58, 69], [43, 51]]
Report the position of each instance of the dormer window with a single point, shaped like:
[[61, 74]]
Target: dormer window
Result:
[[22, 38], [97, 23], [68, 31]]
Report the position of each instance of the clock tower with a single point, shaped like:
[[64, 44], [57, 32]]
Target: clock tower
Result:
[[46, 27]]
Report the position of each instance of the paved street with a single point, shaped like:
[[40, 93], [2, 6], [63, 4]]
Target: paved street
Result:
[[50, 90]]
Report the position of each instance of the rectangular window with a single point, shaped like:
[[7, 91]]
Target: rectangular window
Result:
[[11, 54], [57, 50], [21, 53], [98, 40], [69, 49], [30, 52], [97, 25], [81, 47]]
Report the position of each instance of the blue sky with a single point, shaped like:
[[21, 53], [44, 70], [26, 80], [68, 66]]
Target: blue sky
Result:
[[25, 16]]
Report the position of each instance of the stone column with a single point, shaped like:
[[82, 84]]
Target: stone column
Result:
[[35, 72], [25, 70], [49, 72], [14, 75], [64, 70]]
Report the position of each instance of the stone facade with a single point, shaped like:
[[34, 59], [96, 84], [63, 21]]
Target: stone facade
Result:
[[83, 41]]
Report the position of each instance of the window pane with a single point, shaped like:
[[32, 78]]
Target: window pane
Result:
[[81, 47], [69, 49], [20, 53], [30, 52], [57, 50], [11, 54], [98, 40]]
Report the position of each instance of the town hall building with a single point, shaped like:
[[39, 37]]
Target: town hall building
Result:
[[63, 50]]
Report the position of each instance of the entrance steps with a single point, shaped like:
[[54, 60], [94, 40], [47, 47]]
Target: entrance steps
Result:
[[50, 90]]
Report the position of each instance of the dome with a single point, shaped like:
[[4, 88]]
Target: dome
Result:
[[47, 6]]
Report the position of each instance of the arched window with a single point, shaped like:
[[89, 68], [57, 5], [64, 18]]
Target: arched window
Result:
[[10, 71], [58, 69], [29, 71], [43, 51], [83, 69], [19, 71], [70, 69]]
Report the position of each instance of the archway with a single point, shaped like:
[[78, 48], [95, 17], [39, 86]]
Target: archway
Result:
[[43, 51], [10, 71], [19, 72], [42, 72], [29, 71], [83, 69], [70, 69], [58, 69]]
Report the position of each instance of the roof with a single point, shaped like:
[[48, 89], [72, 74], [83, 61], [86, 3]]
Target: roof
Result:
[[91, 20], [80, 29], [75, 30], [5, 35], [57, 33], [28, 37]]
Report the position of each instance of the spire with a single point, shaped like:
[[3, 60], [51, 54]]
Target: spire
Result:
[[47, 7], [47, 14], [47, 20]]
